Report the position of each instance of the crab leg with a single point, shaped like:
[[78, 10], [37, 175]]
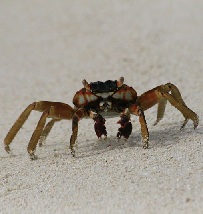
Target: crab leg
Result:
[[136, 110], [54, 110], [79, 114], [47, 130], [36, 135], [160, 95], [58, 112], [17, 125], [160, 110]]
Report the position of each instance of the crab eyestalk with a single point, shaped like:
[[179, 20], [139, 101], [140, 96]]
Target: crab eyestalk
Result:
[[86, 85], [120, 82]]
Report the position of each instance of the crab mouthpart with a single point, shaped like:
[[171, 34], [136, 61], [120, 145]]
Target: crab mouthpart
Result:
[[105, 106]]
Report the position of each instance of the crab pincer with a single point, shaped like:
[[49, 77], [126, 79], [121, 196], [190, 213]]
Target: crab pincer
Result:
[[126, 127], [99, 126]]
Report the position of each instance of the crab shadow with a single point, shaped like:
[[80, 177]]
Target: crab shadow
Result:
[[157, 138]]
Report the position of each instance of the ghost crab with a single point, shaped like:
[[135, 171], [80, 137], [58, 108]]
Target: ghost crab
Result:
[[98, 100]]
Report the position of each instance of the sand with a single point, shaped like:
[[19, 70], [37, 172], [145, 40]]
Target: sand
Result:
[[47, 49]]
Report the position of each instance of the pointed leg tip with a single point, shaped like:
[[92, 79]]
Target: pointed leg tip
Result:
[[182, 127], [145, 145], [7, 148], [184, 123], [41, 141], [155, 123], [196, 122], [73, 153], [33, 157], [196, 125]]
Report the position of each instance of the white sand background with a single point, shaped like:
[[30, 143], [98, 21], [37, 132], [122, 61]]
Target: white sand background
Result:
[[46, 49]]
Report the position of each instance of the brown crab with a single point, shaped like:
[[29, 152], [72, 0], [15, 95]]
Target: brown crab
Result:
[[98, 100]]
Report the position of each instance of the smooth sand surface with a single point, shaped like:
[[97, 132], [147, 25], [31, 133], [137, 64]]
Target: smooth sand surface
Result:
[[46, 49]]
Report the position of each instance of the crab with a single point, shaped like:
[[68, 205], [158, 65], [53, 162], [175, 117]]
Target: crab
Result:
[[99, 100]]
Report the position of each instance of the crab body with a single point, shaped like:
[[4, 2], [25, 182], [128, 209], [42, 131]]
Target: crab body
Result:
[[105, 98], [99, 100]]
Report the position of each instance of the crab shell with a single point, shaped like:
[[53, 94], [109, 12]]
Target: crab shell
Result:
[[105, 100]]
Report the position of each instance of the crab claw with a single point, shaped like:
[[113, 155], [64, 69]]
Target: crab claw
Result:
[[99, 126], [126, 126]]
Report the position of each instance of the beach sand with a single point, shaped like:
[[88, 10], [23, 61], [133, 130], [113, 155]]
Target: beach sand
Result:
[[47, 49]]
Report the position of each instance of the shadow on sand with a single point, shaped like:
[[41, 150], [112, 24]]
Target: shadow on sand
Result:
[[157, 138]]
